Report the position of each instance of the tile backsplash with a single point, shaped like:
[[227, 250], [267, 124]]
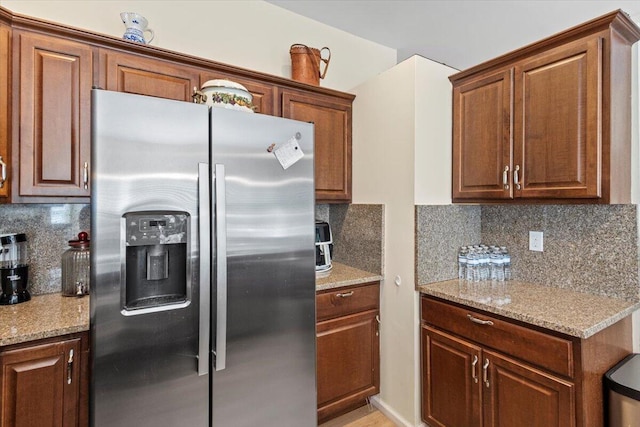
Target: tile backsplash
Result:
[[48, 229], [587, 248]]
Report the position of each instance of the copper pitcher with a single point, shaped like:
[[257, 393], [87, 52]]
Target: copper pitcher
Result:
[[306, 62]]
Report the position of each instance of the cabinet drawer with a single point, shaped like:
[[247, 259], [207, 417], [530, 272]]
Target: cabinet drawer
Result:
[[546, 351], [342, 301]]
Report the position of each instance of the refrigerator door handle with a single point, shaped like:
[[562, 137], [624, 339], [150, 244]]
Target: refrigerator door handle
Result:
[[221, 269], [205, 267]]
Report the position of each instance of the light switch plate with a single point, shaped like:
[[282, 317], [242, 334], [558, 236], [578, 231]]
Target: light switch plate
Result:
[[536, 241]]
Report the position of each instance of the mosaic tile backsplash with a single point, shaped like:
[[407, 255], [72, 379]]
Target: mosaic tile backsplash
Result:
[[48, 229]]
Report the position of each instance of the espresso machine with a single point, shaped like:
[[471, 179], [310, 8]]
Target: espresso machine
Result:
[[14, 271]]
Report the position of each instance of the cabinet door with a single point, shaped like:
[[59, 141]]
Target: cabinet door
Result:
[[558, 117], [5, 85], [332, 120], [482, 137], [41, 385], [264, 95], [451, 381], [130, 73], [54, 91], [347, 362], [517, 395]]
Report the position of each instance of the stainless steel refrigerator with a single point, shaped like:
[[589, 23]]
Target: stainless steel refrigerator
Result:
[[202, 266]]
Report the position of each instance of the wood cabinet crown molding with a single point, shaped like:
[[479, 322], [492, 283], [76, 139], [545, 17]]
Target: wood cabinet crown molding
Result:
[[103, 40], [617, 20]]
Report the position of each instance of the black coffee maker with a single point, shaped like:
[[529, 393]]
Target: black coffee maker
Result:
[[14, 271]]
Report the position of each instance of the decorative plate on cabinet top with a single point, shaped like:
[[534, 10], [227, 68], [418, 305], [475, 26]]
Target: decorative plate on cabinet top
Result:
[[227, 94]]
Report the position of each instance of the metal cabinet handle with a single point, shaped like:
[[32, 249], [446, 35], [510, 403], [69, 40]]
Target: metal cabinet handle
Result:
[[516, 177], [205, 268], [485, 372], [379, 322], [85, 175], [479, 321], [505, 178], [221, 268], [345, 294], [473, 369], [3, 173], [69, 366]]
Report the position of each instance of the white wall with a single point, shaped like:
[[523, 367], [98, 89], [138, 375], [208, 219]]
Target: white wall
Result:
[[396, 116], [433, 133], [251, 34], [383, 139]]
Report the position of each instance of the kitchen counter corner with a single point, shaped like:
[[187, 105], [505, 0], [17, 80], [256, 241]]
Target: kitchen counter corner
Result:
[[342, 275], [573, 313], [43, 316]]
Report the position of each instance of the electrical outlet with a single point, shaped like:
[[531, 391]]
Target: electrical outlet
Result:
[[536, 241]]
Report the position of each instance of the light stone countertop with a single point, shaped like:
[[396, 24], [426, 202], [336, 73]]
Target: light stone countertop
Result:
[[43, 316], [51, 315], [342, 275], [573, 313]]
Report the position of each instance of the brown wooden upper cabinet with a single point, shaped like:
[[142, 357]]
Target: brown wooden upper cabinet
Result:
[[550, 122], [5, 116], [140, 75], [47, 71], [332, 119], [51, 116]]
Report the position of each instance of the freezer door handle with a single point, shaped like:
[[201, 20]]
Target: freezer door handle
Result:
[[221, 269], [205, 267]]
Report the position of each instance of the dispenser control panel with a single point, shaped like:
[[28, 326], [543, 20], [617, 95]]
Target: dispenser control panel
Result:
[[150, 228]]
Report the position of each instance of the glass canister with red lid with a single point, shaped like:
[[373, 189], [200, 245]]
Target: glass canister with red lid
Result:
[[76, 264]]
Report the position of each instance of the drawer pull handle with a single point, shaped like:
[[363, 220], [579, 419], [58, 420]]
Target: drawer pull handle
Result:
[[485, 372], [473, 368], [479, 321], [345, 294], [516, 178]]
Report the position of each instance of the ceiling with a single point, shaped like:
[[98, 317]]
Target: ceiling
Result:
[[459, 33]]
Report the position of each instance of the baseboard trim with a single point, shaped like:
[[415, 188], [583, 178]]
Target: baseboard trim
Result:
[[391, 414]]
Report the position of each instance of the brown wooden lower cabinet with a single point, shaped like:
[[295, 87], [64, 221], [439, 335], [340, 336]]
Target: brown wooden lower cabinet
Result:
[[479, 369], [46, 383], [347, 346]]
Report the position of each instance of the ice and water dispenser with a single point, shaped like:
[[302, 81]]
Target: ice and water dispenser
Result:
[[156, 265]]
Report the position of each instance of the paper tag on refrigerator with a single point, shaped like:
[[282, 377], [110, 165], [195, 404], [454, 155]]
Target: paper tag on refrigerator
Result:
[[288, 153]]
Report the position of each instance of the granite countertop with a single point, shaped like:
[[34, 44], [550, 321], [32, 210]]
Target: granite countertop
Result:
[[572, 313], [53, 315], [342, 275], [43, 316]]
